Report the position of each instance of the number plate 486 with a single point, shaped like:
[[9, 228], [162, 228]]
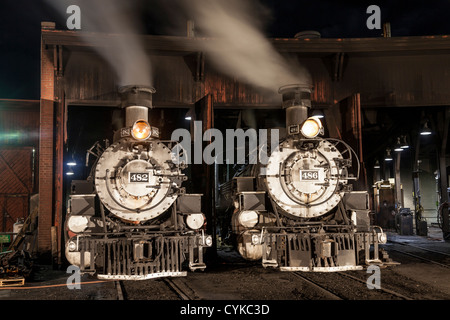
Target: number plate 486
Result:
[[309, 175]]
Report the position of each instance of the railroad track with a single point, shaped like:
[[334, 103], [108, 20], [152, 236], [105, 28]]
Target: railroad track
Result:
[[419, 247], [119, 289], [420, 257], [394, 293], [328, 293], [333, 295], [179, 290]]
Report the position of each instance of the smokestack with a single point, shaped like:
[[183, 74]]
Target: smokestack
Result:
[[136, 100], [296, 100]]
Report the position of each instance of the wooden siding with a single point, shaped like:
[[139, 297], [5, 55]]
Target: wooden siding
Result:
[[404, 71], [16, 185], [90, 78]]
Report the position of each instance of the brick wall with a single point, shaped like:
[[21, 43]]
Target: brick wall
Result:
[[46, 148]]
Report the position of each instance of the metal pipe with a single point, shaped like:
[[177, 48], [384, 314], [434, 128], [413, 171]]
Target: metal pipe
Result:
[[136, 100], [134, 113], [296, 115], [296, 99]]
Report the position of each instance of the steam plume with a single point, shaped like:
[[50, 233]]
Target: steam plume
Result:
[[125, 53], [240, 49]]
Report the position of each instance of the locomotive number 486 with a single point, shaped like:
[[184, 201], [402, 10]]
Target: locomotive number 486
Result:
[[309, 175]]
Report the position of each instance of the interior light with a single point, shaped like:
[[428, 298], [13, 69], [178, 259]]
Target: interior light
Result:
[[141, 130], [425, 130], [388, 156], [312, 127], [70, 172], [377, 165], [190, 114], [318, 114], [398, 146], [404, 144]]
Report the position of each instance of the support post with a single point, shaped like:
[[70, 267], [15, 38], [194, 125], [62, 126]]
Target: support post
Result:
[[398, 183], [352, 133], [444, 177], [46, 149]]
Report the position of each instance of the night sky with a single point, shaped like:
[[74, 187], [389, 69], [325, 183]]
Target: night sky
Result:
[[20, 28]]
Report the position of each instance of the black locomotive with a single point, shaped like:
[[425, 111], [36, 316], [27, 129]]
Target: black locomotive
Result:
[[298, 211], [132, 219]]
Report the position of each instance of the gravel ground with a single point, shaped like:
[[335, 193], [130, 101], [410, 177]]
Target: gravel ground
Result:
[[232, 278], [49, 284]]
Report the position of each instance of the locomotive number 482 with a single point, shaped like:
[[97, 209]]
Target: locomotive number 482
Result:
[[138, 177]]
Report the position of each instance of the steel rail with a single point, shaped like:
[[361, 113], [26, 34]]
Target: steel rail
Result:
[[422, 248], [382, 289], [119, 289], [329, 293], [421, 258], [178, 290]]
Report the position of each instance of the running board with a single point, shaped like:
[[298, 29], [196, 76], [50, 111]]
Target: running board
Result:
[[143, 276], [322, 269]]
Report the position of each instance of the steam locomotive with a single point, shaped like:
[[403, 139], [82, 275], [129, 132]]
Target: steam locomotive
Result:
[[298, 211], [132, 219]]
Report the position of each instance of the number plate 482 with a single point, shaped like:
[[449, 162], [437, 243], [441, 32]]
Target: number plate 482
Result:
[[138, 177]]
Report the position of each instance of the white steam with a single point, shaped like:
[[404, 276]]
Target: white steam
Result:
[[121, 46], [239, 48]]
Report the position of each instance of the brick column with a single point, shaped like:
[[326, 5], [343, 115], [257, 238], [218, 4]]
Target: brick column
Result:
[[46, 148]]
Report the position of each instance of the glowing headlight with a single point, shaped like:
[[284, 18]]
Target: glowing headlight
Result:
[[141, 130], [311, 127]]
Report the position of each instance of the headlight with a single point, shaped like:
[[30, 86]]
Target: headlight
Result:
[[208, 241], [77, 223], [204, 240], [312, 127], [72, 246], [141, 130], [382, 238], [248, 218], [255, 239], [195, 221]]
